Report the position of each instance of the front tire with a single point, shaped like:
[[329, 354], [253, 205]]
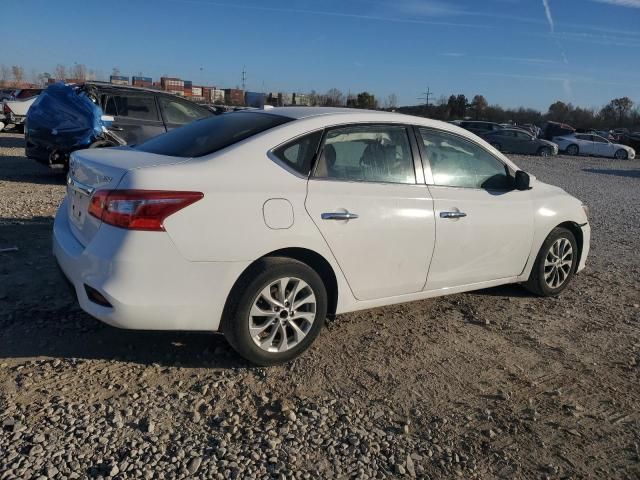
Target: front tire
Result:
[[555, 264], [573, 150], [544, 152], [276, 311], [621, 154]]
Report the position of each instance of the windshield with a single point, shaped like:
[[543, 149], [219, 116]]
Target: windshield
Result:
[[211, 134]]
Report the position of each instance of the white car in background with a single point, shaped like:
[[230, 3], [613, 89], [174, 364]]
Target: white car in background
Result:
[[590, 144], [259, 224], [14, 110]]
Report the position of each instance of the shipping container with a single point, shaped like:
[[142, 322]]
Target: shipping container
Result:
[[234, 96], [119, 80]]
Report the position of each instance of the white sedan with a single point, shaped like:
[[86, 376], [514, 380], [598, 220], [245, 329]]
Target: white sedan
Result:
[[590, 144], [259, 224]]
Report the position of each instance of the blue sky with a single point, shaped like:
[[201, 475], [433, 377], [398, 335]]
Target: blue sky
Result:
[[514, 52]]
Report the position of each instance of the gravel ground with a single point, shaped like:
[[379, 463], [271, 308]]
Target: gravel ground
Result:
[[490, 384]]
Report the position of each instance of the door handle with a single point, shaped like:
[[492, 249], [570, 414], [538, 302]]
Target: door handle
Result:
[[339, 216], [452, 214], [116, 129]]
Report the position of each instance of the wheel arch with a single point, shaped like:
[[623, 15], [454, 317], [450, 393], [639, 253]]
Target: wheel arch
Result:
[[574, 228], [573, 144], [309, 257]]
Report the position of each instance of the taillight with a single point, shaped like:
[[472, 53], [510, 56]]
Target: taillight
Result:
[[6, 109], [139, 209]]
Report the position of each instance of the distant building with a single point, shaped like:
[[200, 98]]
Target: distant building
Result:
[[146, 82], [234, 96], [286, 99], [301, 99], [217, 95], [197, 94], [119, 80], [172, 85]]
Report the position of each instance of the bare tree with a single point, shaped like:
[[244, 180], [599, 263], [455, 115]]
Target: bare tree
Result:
[[79, 71], [334, 98], [391, 102], [5, 75], [18, 74], [60, 73]]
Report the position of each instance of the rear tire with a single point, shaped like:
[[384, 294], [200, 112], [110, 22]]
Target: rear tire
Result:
[[573, 149], [555, 264], [621, 154], [292, 297]]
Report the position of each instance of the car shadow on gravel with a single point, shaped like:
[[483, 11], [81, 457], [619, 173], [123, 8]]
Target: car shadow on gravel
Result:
[[510, 290], [617, 172], [68, 333], [40, 317], [11, 142]]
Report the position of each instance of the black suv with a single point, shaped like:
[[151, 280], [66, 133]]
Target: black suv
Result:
[[137, 115]]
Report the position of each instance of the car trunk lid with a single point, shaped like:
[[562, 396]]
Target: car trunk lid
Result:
[[100, 169]]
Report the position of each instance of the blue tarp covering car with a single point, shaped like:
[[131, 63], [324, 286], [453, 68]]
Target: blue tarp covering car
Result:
[[63, 119]]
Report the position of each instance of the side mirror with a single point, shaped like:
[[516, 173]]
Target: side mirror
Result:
[[522, 180]]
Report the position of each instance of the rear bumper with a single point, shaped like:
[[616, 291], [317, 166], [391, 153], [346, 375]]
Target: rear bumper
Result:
[[142, 275]]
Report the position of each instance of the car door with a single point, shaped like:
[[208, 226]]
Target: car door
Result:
[[136, 117], [177, 112], [524, 143], [602, 146], [484, 227], [368, 199], [502, 139], [586, 145]]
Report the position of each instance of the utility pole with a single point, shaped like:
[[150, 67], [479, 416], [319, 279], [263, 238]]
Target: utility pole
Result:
[[244, 78], [426, 96]]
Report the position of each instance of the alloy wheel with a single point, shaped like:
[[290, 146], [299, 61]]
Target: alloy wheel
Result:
[[282, 314], [558, 263], [621, 155], [545, 152]]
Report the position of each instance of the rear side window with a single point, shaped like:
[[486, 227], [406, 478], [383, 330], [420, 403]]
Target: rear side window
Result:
[[134, 106], [211, 134], [298, 154], [180, 112]]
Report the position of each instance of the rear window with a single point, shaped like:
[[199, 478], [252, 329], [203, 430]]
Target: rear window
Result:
[[211, 134]]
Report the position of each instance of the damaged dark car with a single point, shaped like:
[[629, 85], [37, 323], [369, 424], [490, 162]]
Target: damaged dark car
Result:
[[66, 118]]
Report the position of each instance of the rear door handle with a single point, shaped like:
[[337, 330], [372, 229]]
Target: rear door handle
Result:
[[452, 214], [339, 216]]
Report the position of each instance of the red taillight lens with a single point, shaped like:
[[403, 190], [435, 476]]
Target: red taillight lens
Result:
[[139, 209], [6, 109]]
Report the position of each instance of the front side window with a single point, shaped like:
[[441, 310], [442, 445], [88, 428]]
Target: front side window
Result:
[[505, 133], [298, 154], [367, 153], [180, 112], [599, 139], [523, 136], [456, 162]]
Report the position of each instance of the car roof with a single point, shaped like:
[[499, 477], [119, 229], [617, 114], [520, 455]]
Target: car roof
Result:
[[116, 87], [297, 113]]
